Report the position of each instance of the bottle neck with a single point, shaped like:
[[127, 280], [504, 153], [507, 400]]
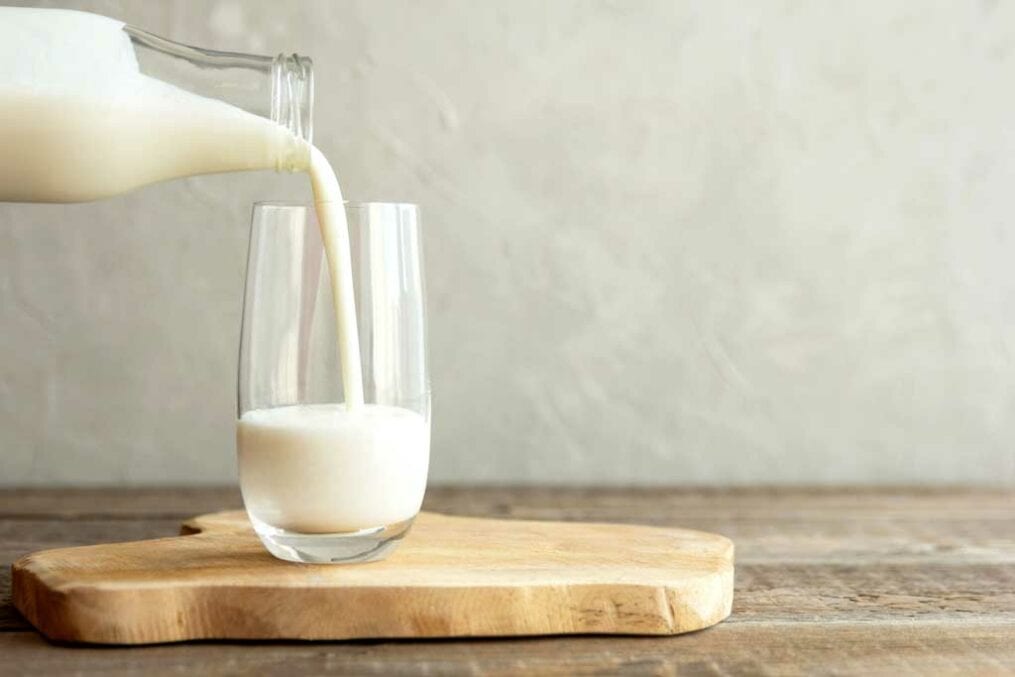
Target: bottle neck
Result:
[[280, 88]]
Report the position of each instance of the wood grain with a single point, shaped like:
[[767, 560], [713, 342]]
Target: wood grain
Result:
[[451, 577], [829, 581]]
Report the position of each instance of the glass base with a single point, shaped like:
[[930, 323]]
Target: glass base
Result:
[[365, 545]]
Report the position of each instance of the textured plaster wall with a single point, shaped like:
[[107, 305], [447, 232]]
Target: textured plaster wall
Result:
[[713, 242]]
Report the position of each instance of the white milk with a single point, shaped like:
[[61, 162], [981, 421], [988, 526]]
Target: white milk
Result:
[[79, 121], [324, 468], [335, 235]]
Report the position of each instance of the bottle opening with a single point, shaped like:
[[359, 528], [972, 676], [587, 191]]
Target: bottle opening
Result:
[[292, 96]]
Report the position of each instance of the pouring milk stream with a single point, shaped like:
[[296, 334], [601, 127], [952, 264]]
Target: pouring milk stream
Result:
[[80, 121]]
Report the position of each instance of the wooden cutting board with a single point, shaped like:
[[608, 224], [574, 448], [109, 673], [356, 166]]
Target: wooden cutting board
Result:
[[450, 577]]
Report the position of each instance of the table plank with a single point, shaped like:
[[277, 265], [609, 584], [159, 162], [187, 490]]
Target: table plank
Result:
[[72, 503], [836, 580], [727, 649], [644, 505]]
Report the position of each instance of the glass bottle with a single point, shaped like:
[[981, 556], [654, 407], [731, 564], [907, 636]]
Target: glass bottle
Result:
[[91, 107]]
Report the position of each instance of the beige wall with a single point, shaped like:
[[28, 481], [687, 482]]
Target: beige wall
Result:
[[667, 242]]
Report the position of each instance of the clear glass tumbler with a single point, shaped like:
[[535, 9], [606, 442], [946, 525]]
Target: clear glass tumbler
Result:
[[322, 482]]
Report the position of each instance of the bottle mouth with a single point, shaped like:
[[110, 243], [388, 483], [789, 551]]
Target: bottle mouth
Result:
[[292, 94]]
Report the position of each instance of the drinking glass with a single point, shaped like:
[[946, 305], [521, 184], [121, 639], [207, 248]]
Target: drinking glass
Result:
[[323, 482]]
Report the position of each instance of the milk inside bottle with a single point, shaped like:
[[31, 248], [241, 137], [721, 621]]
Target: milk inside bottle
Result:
[[91, 108]]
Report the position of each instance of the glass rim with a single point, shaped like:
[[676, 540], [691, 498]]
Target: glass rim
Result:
[[349, 204]]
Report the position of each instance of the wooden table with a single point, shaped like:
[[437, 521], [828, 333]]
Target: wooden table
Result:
[[828, 582]]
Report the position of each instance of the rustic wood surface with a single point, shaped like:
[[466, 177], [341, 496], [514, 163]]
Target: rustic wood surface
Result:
[[828, 581], [452, 576]]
